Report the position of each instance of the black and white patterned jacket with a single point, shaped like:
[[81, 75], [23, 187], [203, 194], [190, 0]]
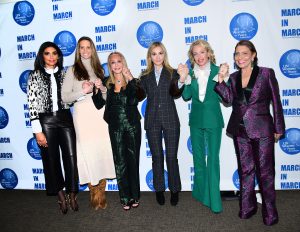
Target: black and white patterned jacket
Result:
[[39, 93]]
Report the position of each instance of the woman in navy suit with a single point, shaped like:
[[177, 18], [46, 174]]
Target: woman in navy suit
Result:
[[159, 82]]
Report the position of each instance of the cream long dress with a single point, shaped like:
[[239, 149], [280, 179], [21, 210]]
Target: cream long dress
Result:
[[94, 153]]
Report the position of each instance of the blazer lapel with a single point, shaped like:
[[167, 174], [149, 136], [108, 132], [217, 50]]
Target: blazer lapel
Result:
[[164, 76], [152, 79], [253, 82], [239, 89]]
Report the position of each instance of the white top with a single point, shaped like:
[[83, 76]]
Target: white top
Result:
[[202, 75]]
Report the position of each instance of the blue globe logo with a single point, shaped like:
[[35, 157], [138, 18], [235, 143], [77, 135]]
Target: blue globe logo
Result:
[[149, 179], [189, 145], [193, 2], [290, 63], [82, 187], [23, 13], [8, 178], [23, 80], [143, 108], [103, 7], [290, 144], [105, 67], [66, 41], [236, 179], [3, 118], [33, 149], [149, 32], [243, 26]]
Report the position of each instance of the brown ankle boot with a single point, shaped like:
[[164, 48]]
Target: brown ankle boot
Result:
[[94, 196], [102, 200]]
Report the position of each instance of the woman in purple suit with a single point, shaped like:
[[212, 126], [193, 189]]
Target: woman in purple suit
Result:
[[251, 90]]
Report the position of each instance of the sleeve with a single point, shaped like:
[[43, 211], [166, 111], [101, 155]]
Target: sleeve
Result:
[[32, 88], [187, 92], [277, 106], [225, 91], [175, 91], [135, 88], [67, 92], [98, 100]]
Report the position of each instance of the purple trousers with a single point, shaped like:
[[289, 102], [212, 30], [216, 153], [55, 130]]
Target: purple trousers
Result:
[[256, 157]]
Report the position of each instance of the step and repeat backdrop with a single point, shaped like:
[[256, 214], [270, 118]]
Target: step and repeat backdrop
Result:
[[129, 26]]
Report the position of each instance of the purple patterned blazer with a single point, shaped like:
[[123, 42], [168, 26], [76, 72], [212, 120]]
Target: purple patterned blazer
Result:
[[253, 110]]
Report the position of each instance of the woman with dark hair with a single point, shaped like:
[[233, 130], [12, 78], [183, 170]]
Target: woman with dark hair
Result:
[[206, 122], [159, 82], [94, 155], [52, 125], [123, 118], [251, 91]]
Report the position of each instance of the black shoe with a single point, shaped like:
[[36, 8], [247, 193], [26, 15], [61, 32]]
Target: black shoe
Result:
[[62, 202], [72, 199], [160, 198], [174, 198]]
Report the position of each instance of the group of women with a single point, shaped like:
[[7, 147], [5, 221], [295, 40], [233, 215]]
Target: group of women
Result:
[[99, 149]]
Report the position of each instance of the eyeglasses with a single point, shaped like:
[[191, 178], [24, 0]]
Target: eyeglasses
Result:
[[50, 53]]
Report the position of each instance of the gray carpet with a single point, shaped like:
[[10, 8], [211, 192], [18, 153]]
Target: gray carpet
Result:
[[24, 210]]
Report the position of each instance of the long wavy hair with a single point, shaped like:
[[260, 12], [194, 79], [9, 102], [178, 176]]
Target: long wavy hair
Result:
[[111, 79], [206, 46], [150, 65], [39, 63], [80, 71]]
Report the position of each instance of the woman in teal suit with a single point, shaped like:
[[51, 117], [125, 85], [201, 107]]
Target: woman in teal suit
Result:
[[206, 122]]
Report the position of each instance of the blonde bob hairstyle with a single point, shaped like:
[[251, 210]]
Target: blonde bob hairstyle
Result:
[[206, 46], [150, 65], [111, 79]]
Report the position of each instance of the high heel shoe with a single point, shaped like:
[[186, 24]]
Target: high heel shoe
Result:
[[73, 202], [160, 198], [126, 207], [174, 198], [134, 203], [62, 202]]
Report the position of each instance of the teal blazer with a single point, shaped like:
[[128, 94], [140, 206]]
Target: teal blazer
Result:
[[206, 114]]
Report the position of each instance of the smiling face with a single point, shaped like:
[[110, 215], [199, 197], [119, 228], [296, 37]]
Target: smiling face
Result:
[[85, 49], [50, 57], [116, 64], [157, 56], [200, 55], [243, 57]]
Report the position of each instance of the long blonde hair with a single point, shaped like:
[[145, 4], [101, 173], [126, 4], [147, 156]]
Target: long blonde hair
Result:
[[111, 79], [206, 46], [150, 65]]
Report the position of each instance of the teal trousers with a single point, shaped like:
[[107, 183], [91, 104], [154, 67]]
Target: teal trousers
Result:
[[206, 147]]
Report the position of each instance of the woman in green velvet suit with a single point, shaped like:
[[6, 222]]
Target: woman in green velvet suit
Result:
[[206, 122], [123, 118]]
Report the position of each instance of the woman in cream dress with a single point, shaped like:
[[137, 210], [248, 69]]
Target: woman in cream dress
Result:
[[94, 153]]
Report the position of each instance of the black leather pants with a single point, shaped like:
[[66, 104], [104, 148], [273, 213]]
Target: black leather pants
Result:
[[60, 134]]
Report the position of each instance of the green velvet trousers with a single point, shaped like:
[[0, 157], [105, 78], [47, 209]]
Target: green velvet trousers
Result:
[[126, 142]]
